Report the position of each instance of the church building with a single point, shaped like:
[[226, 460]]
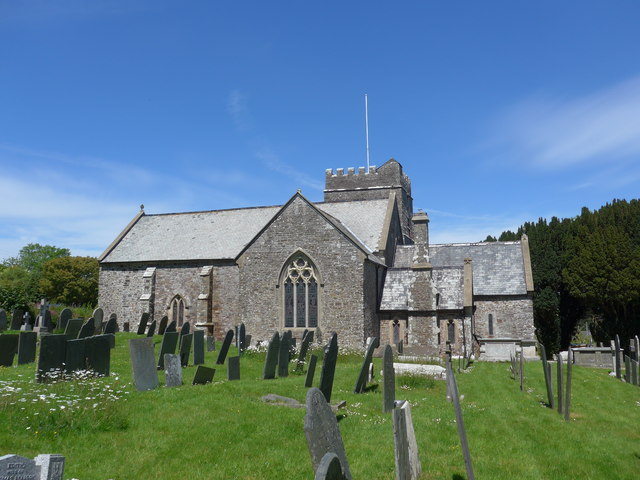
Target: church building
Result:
[[359, 264]]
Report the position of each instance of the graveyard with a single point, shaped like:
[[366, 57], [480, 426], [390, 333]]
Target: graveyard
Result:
[[107, 429]]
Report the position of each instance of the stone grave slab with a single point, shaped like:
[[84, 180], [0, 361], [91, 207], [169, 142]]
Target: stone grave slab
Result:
[[51, 466], [203, 375], [211, 343], [126, 327], [27, 347], [73, 327], [330, 468], [185, 348], [284, 354], [224, 349], [242, 337], [271, 360], [98, 318], [18, 468], [111, 326], [172, 327], [143, 364], [53, 352], [233, 368], [168, 345], [3, 320], [322, 432], [361, 382], [185, 329], [16, 319], [172, 370], [311, 371], [142, 326], [307, 338], [98, 354], [462, 433], [329, 366], [389, 380], [8, 349], [88, 329], [152, 329], [75, 358], [162, 327], [63, 319], [408, 465], [198, 347]]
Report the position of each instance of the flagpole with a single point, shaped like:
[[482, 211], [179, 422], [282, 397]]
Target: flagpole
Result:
[[366, 123]]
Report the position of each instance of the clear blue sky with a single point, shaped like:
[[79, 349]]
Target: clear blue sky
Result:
[[500, 111]]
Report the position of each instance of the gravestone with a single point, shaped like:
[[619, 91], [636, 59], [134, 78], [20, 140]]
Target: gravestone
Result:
[[283, 354], [26, 322], [16, 319], [63, 319], [307, 338], [8, 349], [389, 380], [98, 354], [271, 360], [322, 432], [203, 375], [242, 338], [627, 369], [617, 358], [172, 327], [172, 370], [168, 345], [247, 341], [142, 326], [451, 379], [198, 347], [329, 366], [634, 372], [152, 329], [225, 348], [211, 343], [3, 320], [73, 328], [126, 326], [43, 467], [330, 468], [546, 368], [163, 325], [567, 395], [311, 371], [53, 352], [361, 382], [233, 368], [75, 358], [636, 343], [98, 317], [27, 347], [111, 326], [408, 465], [51, 466], [185, 329], [559, 380], [185, 348], [87, 329], [143, 364]]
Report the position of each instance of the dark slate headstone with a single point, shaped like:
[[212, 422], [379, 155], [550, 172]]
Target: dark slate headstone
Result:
[[51, 466], [307, 338], [462, 433], [225, 348], [18, 468], [329, 366], [389, 384], [283, 354], [203, 375], [143, 364], [168, 345], [185, 329], [172, 327], [126, 327], [98, 354], [152, 329], [98, 318], [172, 370], [247, 341], [617, 358], [142, 326], [361, 382], [330, 468], [198, 347], [162, 327], [322, 432], [16, 319], [185, 348], [47, 323], [111, 326], [63, 319], [406, 447], [233, 368], [242, 337], [27, 347], [87, 329], [311, 371], [3, 320], [8, 349], [211, 343], [53, 352], [271, 360], [75, 358], [546, 369]]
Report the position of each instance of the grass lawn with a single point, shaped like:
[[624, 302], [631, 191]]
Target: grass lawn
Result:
[[107, 430]]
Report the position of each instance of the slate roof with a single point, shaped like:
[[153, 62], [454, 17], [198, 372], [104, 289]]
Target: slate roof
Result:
[[222, 234], [395, 295], [449, 283]]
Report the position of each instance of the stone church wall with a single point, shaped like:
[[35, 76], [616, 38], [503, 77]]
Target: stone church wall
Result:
[[120, 287], [512, 316], [177, 279]]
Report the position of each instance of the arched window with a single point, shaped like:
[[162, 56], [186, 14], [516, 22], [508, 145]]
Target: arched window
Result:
[[300, 282], [451, 332], [176, 310], [490, 323]]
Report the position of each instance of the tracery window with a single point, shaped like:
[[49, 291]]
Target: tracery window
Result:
[[300, 294], [176, 310]]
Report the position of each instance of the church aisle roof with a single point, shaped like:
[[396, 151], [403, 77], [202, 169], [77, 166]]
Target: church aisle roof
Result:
[[222, 234]]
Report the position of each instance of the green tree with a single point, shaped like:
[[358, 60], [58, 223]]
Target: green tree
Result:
[[14, 288], [71, 280]]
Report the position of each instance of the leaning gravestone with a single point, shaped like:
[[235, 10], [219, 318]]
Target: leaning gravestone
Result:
[[53, 352], [361, 382], [152, 329], [233, 368], [168, 345], [98, 354], [185, 329], [307, 338], [185, 348], [408, 465], [311, 371], [3, 320], [75, 358], [322, 432], [162, 327], [211, 343], [283, 354], [172, 327], [389, 394], [329, 367], [87, 329], [225, 348], [198, 347], [16, 319], [98, 317], [142, 326], [73, 328], [242, 338], [330, 468], [27, 347], [172, 370], [203, 375], [271, 360], [63, 319], [143, 364], [111, 326], [8, 349]]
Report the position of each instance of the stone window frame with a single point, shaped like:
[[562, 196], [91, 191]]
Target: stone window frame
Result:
[[284, 276], [177, 301]]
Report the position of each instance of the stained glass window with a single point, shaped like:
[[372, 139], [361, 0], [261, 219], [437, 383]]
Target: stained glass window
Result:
[[313, 304], [300, 294], [288, 303]]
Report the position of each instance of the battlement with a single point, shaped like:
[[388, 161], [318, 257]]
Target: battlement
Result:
[[351, 171]]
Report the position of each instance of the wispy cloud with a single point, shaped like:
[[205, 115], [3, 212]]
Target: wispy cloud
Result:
[[554, 133], [237, 108], [274, 163]]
